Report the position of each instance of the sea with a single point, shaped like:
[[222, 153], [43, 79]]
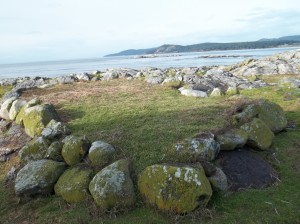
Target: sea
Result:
[[194, 59]]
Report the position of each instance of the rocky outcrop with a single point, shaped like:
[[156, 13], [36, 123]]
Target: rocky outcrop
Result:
[[282, 63], [179, 189]]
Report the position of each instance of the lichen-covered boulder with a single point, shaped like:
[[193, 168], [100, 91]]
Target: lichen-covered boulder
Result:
[[259, 134], [101, 153], [5, 107], [112, 186], [270, 113], [203, 146], [54, 151], [55, 129], [232, 91], [15, 108], [38, 177], [34, 150], [216, 92], [21, 114], [36, 118], [232, 139], [178, 189], [73, 184], [74, 149]]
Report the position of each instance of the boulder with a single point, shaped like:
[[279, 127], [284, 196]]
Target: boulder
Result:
[[216, 92], [66, 80], [74, 149], [36, 118], [270, 113], [5, 107], [15, 108], [259, 134], [34, 150], [55, 129], [101, 153], [73, 184], [154, 79], [218, 180], [202, 147], [179, 189], [231, 91], [112, 187], [54, 151], [232, 139], [38, 177], [192, 92]]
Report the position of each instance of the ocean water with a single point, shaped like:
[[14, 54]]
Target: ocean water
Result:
[[195, 59]]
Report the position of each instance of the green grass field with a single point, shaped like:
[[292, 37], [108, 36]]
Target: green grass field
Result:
[[144, 122]]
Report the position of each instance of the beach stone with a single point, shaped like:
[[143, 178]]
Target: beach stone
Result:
[[73, 184], [232, 139], [74, 149], [15, 108], [35, 150], [259, 134], [5, 107], [65, 80], [191, 92], [55, 129], [54, 151], [112, 187], [179, 189], [38, 177], [101, 153], [201, 147]]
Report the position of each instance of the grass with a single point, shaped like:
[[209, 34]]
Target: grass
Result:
[[144, 122]]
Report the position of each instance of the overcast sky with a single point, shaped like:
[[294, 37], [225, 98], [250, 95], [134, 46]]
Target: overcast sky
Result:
[[39, 30]]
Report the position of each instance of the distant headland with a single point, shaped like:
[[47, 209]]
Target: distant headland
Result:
[[170, 48]]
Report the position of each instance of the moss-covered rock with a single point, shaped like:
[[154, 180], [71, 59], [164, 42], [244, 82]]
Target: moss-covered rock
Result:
[[74, 149], [178, 189], [203, 146], [112, 186], [5, 107], [101, 153], [270, 113], [36, 118], [21, 114], [55, 129], [54, 151], [34, 150], [217, 92], [232, 91], [259, 134], [73, 184], [38, 177], [273, 115], [232, 139]]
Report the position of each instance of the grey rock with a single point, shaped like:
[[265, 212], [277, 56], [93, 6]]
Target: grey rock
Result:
[[66, 80], [55, 129], [5, 107], [15, 108], [191, 92]]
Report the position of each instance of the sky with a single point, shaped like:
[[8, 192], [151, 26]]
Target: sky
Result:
[[42, 30]]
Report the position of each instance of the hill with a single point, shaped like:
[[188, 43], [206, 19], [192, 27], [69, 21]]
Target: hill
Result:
[[170, 48]]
